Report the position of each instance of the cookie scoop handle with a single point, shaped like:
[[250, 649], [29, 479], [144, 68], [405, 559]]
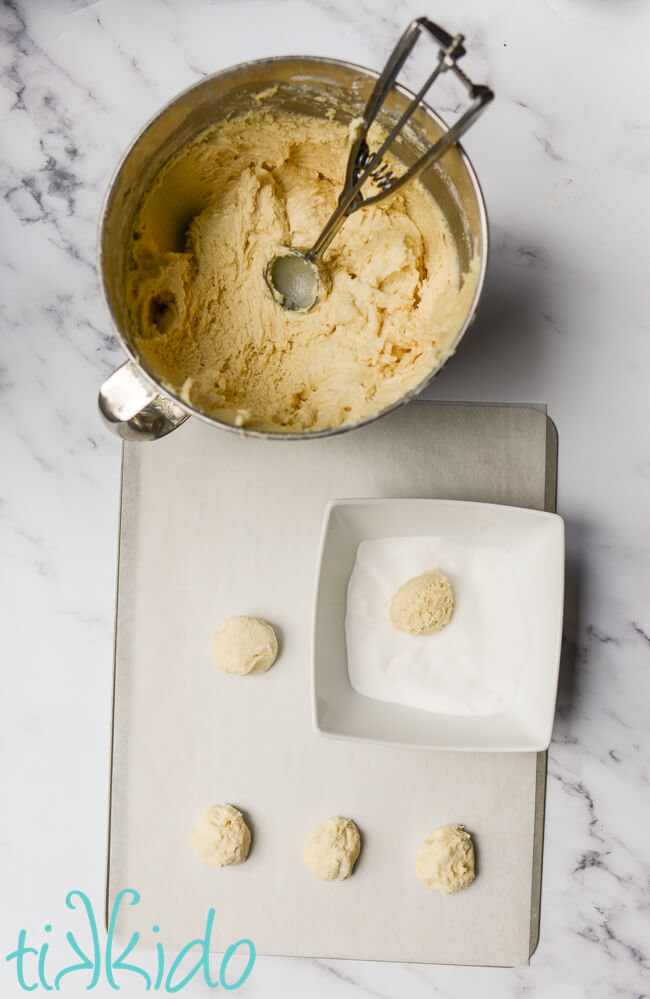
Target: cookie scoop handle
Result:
[[131, 406], [363, 164]]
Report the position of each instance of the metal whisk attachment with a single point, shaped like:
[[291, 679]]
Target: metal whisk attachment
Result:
[[294, 276]]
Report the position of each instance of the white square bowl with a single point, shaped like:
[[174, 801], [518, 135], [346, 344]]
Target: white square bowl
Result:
[[534, 541]]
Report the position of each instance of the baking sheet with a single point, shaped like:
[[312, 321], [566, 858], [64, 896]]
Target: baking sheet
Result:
[[212, 525]]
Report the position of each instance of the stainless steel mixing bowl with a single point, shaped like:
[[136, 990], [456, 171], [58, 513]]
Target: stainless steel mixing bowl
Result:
[[132, 401]]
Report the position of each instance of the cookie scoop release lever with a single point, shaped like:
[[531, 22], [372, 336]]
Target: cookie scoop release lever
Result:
[[294, 277]]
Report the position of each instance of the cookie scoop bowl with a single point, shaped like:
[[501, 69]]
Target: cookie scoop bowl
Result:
[[133, 401]]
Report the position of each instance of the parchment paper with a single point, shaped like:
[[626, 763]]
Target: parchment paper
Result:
[[212, 525]]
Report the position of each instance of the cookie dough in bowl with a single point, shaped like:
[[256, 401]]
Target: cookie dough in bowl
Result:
[[423, 605], [204, 322], [222, 836], [446, 860], [332, 848], [245, 645]]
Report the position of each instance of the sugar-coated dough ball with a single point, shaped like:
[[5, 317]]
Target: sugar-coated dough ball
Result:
[[222, 836], [332, 848], [244, 645], [423, 605], [446, 860]]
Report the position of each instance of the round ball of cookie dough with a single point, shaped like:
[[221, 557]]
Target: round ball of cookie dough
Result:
[[222, 836], [423, 605], [446, 860], [332, 848], [244, 645]]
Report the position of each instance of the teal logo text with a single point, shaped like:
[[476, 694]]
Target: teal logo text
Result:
[[92, 962]]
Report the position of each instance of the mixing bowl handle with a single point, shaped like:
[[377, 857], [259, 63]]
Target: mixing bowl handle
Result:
[[131, 406]]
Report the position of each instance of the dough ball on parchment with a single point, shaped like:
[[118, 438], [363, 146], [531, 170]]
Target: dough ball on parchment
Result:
[[332, 848], [244, 645], [222, 836], [446, 860], [423, 605]]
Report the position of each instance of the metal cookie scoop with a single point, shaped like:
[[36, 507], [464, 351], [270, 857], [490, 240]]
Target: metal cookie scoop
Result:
[[295, 278]]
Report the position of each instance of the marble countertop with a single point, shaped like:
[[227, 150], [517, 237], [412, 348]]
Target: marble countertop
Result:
[[564, 157]]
